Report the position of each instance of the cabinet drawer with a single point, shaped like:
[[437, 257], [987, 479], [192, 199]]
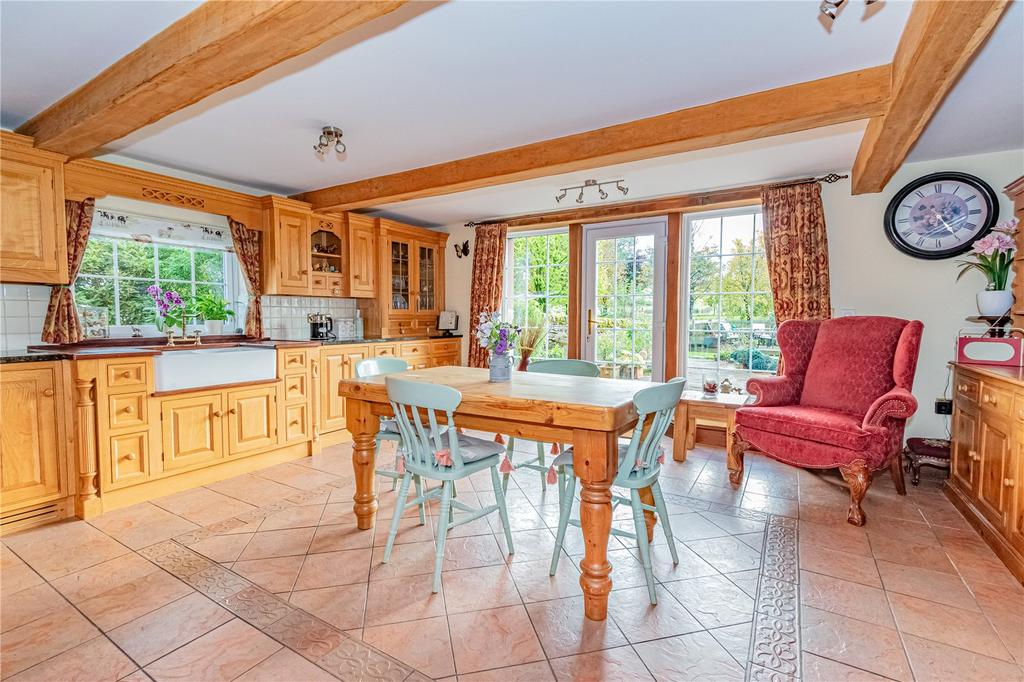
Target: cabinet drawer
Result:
[[296, 423], [414, 349], [996, 400], [445, 361], [129, 458], [404, 328], [127, 409], [294, 360], [384, 350], [445, 347], [318, 282], [125, 374], [967, 389], [295, 387], [334, 285]]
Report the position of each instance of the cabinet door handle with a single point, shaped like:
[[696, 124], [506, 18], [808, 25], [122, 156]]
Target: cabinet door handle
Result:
[[974, 455], [232, 411], [131, 457], [1008, 482], [294, 422], [128, 409], [218, 413], [988, 400], [48, 392], [126, 374]]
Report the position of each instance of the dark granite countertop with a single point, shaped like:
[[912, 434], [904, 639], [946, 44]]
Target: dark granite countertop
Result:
[[15, 356]]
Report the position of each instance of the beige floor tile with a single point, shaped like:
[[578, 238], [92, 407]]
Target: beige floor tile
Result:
[[333, 568], [17, 575], [528, 672], [296, 476], [142, 525], [25, 606], [98, 579], [690, 564], [421, 644], [493, 638], [746, 581], [931, 585], [689, 526], [285, 666], [640, 620], [402, 599], [159, 632], [223, 654], [934, 661], [294, 517], [735, 639], [472, 552], [854, 642], [277, 543], [771, 505], [222, 548], [818, 669], [733, 525], [307, 636], [203, 506], [713, 600], [409, 530], [415, 558], [853, 567], [564, 630], [95, 659], [334, 538], [839, 536], [900, 551], [133, 599], [274, 575], [252, 489], [726, 554], [845, 598], [338, 512], [939, 623], [473, 589], [535, 584], [81, 546], [341, 606], [530, 545], [43, 638], [689, 657], [981, 566], [621, 665]]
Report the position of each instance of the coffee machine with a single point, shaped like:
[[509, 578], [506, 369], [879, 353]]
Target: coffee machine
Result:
[[321, 327]]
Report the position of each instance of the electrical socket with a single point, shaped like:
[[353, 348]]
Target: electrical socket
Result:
[[943, 406]]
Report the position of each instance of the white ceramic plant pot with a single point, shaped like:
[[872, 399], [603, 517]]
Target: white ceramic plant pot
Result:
[[993, 303], [215, 327]]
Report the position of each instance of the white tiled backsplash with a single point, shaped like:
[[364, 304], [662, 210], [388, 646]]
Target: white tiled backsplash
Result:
[[284, 317], [24, 308]]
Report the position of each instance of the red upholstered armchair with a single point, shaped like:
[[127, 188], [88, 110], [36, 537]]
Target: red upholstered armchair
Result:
[[843, 401]]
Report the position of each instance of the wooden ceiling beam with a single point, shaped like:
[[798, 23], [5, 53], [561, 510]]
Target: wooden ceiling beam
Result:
[[836, 99], [217, 45], [938, 42]]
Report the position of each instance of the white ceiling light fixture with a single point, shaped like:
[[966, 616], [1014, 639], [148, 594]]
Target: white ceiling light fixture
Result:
[[330, 136], [562, 193]]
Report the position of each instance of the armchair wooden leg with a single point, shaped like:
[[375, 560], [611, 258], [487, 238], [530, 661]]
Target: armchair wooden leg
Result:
[[734, 459], [858, 476], [896, 468]]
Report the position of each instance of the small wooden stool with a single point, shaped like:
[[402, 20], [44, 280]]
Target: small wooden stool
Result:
[[694, 405], [932, 452]]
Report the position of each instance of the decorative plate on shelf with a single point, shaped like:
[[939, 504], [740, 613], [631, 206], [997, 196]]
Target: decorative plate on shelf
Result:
[[940, 215]]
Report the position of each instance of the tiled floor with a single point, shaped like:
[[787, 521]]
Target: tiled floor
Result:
[[265, 577]]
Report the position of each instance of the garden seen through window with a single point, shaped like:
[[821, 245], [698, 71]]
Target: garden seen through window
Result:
[[537, 288]]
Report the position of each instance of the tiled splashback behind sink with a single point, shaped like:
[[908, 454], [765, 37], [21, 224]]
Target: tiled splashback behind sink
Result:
[[285, 317]]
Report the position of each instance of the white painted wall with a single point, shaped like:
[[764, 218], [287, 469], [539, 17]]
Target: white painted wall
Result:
[[868, 275], [458, 274]]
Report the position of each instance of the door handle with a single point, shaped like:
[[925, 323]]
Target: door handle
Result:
[[591, 322]]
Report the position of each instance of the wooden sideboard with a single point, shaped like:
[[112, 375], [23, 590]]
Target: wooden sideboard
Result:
[[986, 481], [1015, 190]]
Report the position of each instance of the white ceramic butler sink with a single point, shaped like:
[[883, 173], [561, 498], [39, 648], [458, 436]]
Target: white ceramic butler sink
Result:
[[213, 366]]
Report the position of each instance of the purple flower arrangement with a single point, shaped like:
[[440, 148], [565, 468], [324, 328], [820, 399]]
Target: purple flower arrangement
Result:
[[169, 305], [496, 336]]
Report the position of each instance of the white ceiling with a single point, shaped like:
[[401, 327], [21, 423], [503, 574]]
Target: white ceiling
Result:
[[431, 83]]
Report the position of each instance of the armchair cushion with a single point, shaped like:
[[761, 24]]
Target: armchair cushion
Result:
[[852, 363], [815, 424]]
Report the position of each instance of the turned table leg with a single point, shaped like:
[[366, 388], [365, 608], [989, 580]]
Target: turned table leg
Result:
[[364, 426], [594, 462]]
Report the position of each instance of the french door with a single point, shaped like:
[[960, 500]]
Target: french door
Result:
[[623, 311]]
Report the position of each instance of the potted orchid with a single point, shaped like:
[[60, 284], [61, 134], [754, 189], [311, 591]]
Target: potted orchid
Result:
[[170, 306], [500, 339], [994, 258]]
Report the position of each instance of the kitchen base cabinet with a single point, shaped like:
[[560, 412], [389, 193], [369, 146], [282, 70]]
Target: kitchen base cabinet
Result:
[[192, 430], [986, 473], [252, 420], [35, 468]]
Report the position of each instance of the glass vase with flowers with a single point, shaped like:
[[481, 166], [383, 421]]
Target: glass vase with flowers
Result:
[[993, 255], [500, 339]]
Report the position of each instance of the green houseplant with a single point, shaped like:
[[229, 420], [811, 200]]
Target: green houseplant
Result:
[[214, 310]]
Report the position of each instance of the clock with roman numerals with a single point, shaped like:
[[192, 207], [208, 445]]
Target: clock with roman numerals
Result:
[[940, 215]]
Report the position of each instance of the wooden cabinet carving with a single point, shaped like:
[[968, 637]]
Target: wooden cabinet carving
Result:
[[33, 241], [988, 457]]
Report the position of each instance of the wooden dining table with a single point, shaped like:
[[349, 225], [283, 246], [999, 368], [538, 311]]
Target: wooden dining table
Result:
[[589, 413]]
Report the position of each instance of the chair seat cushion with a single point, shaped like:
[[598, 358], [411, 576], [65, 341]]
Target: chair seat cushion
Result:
[[817, 424], [474, 449], [936, 448]]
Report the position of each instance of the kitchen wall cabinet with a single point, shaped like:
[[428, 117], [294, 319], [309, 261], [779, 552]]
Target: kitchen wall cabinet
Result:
[[286, 247], [988, 457], [361, 278], [33, 241], [35, 468]]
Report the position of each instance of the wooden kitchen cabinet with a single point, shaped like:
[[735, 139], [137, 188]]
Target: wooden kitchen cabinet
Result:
[[361, 278], [252, 419], [988, 457], [193, 430], [336, 363], [35, 470], [286, 247], [33, 241]]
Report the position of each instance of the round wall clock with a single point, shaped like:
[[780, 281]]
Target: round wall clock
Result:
[[940, 215]]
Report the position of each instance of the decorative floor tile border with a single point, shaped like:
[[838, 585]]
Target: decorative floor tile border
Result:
[[775, 636]]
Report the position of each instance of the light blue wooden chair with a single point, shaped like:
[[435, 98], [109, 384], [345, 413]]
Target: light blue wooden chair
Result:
[[439, 453], [640, 460], [575, 368], [374, 367]]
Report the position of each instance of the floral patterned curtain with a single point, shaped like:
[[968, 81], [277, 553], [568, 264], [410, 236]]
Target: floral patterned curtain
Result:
[[488, 278], [61, 324], [247, 248], [796, 247]]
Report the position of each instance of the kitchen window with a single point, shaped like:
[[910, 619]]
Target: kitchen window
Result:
[[537, 288]]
